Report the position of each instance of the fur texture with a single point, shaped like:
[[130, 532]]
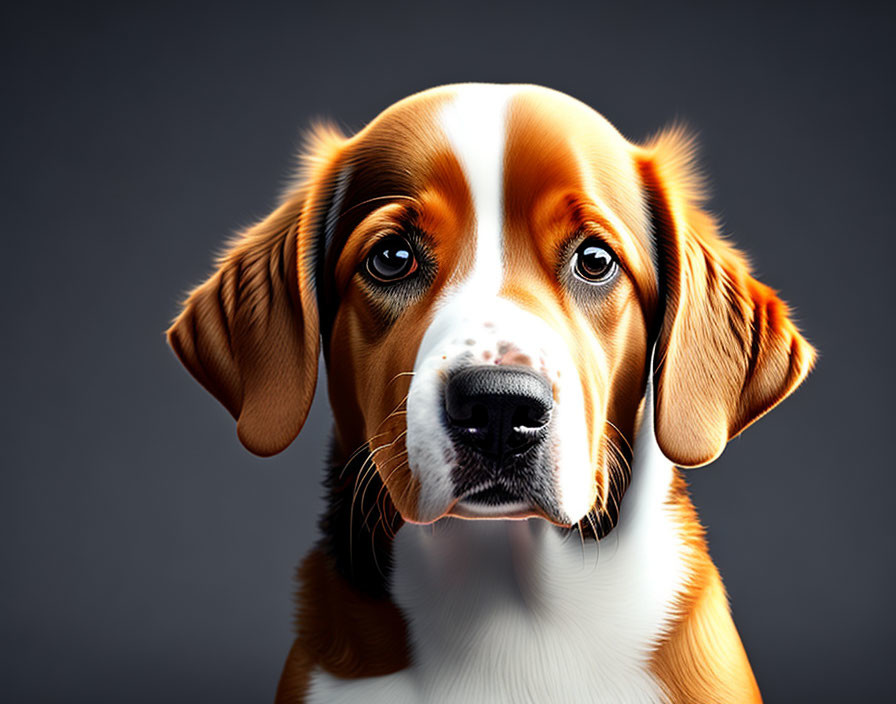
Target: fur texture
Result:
[[601, 587]]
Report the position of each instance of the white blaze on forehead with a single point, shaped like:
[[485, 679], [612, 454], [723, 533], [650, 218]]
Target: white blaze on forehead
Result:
[[475, 124], [473, 324], [474, 121]]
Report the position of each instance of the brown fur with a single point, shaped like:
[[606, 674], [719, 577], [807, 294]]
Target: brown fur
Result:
[[424, 188], [550, 194], [726, 349], [346, 633], [701, 658], [250, 333]]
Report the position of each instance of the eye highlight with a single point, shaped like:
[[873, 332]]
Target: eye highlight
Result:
[[391, 259], [593, 262]]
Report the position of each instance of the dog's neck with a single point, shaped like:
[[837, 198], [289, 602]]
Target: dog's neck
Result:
[[526, 585], [502, 607]]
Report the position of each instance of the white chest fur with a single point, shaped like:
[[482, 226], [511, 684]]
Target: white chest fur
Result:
[[513, 611]]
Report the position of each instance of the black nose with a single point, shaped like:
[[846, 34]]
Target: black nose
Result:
[[498, 411]]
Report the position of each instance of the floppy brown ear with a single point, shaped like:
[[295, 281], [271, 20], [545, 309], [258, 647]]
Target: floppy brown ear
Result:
[[727, 351], [250, 333]]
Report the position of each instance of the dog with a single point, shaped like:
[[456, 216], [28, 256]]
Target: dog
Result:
[[529, 325]]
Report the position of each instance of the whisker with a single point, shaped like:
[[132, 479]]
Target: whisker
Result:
[[605, 475], [351, 512], [363, 446], [368, 466], [399, 376], [400, 454], [621, 455], [395, 514], [396, 411], [379, 494], [620, 433], [591, 522], [400, 500], [371, 473], [581, 540]]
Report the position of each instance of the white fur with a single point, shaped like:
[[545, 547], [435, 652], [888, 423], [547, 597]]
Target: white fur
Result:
[[473, 324], [511, 611], [516, 611], [474, 122]]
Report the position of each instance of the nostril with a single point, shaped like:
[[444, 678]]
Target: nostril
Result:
[[498, 410], [525, 417], [473, 416]]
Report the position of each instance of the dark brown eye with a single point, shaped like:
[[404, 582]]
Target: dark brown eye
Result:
[[593, 262], [391, 259]]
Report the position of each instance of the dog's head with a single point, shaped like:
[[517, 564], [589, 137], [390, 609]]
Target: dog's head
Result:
[[493, 272]]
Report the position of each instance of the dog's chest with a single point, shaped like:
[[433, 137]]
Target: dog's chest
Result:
[[519, 612]]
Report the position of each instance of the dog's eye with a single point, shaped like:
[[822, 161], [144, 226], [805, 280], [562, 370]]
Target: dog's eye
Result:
[[593, 262], [391, 259]]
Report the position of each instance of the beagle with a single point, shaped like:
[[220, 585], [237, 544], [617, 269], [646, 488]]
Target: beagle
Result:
[[528, 324]]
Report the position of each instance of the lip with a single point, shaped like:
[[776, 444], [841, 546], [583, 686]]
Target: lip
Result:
[[518, 510], [491, 501], [508, 512], [491, 494]]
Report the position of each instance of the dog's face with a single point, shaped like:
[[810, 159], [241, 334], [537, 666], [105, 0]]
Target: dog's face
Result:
[[491, 269]]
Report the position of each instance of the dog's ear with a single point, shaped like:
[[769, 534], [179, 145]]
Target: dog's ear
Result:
[[250, 333], [726, 349]]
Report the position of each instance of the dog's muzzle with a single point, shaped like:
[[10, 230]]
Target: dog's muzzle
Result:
[[499, 418]]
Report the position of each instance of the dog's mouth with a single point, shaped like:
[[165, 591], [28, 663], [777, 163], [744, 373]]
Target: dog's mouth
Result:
[[493, 495], [517, 486], [495, 501]]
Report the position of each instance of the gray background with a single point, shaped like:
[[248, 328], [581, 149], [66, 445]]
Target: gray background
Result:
[[147, 557]]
